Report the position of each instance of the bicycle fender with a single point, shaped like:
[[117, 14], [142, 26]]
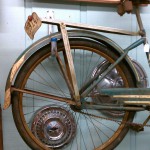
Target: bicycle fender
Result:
[[46, 40]]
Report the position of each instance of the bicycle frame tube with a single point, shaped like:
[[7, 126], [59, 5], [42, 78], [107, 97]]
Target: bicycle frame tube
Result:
[[70, 65], [44, 41], [142, 30], [91, 27], [62, 27], [90, 85]]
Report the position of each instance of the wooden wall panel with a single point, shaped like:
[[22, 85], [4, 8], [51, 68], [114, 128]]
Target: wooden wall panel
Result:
[[96, 1]]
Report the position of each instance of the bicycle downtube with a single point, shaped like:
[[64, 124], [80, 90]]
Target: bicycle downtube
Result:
[[90, 85]]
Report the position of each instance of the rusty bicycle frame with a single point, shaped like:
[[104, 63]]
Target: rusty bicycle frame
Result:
[[128, 93], [131, 97]]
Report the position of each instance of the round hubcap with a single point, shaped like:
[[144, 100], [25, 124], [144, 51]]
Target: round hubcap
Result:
[[53, 129], [113, 80], [54, 126]]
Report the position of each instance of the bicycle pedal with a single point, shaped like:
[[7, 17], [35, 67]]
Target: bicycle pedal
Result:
[[137, 127]]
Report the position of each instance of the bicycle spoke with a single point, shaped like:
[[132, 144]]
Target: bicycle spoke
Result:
[[90, 132], [57, 87], [48, 84]]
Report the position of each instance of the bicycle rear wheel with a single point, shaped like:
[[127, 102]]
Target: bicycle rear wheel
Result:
[[46, 123]]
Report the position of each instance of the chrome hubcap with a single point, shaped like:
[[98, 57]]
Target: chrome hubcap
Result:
[[54, 126]]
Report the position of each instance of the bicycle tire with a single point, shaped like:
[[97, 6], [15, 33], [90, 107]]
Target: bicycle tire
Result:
[[22, 103]]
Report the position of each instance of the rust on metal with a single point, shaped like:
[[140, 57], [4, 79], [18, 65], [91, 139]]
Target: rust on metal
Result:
[[62, 67], [147, 103], [140, 127], [61, 99], [70, 63], [15, 67], [67, 67], [90, 27], [132, 96]]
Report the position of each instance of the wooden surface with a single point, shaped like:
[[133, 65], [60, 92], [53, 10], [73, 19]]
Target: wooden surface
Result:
[[106, 1], [96, 1]]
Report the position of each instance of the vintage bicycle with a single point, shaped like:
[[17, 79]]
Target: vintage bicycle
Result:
[[76, 89]]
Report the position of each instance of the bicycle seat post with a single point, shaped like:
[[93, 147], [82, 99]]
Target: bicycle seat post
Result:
[[142, 31], [140, 23]]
